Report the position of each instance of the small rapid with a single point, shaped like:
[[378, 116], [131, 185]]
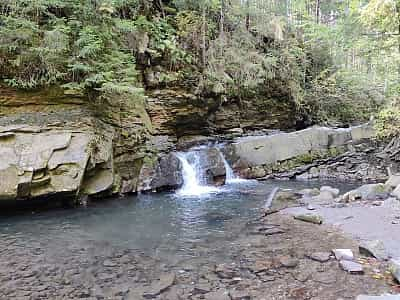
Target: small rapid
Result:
[[231, 177], [194, 183], [194, 174]]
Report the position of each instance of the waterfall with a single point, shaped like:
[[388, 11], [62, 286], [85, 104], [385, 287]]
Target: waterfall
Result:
[[230, 175], [193, 180]]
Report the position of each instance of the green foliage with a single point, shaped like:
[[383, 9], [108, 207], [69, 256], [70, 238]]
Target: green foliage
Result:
[[72, 43], [335, 65], [388, 120], [236, 67], [342, 97]]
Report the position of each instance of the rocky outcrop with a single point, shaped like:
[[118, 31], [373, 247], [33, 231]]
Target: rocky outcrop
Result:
[[39, 163], [59, 146], [54, 144], [256, 157], [179, 113], [161, 173]]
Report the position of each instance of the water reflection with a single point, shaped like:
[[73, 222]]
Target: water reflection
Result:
[[159, 223]]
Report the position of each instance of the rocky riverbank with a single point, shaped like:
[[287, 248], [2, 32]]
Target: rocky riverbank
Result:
[[273, 257]]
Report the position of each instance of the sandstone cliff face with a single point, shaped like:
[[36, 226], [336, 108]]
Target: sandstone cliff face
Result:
[[56, 146], [180, 113], [39, 163]]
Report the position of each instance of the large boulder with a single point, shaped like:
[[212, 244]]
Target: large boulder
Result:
[[284, 150], [212, 164], [366, 192], [161, 173], [44, 163]]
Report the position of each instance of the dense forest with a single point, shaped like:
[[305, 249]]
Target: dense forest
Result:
[[339, 60]]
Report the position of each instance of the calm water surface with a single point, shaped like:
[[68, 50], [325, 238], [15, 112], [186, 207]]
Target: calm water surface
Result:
[[155, 223]]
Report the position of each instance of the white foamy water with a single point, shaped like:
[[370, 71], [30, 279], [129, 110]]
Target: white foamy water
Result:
[[194, 183], [231, 177]]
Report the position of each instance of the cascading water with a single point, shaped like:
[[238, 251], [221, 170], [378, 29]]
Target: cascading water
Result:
[[193, 180], [230, 175]]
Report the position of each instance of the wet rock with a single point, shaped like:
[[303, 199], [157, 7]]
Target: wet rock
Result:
[[320, 256], [239, 295], [157, 287], [164, 172], [351, 267], [216, 217], [217, 295], [343, 254], [212, 165], [374, 248], [310, 218], [283, 199]]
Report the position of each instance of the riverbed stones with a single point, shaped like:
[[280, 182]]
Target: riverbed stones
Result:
[[226, 271], [374, 248], [239, 295], [310, 218], [383, 297], [328, 189], [351, 267], [320, 256], [343, 254], [283, 199], [217, 295], [157, 287], [366, 192], [288, 262]]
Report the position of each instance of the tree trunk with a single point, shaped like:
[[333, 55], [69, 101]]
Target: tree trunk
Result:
[[203, 33], [317, 11], [222, 20], [247, 15]]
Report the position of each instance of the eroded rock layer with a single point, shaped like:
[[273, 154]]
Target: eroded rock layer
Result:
[[53, 145]]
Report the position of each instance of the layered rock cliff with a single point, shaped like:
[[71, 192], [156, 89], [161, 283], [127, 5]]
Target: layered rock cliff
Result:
[[57, 146]]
